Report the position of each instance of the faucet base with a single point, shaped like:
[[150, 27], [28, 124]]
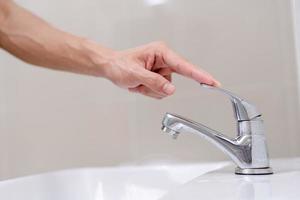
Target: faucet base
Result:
[[254, 171]]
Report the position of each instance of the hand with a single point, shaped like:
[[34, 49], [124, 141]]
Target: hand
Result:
[[148, 70]]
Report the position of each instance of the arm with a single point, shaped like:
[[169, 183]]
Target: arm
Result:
[[145, 69], [33, 40]]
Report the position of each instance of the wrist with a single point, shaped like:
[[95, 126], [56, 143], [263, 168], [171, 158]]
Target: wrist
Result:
[[100, 58]]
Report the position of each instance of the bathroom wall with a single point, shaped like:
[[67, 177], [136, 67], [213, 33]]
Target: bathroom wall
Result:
[[296, 17], [55, 120]]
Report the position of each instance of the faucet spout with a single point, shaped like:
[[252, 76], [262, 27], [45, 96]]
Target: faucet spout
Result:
[[234, 148]]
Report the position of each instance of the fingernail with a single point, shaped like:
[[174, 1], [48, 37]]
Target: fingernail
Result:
[[169, 88], [217, 83]]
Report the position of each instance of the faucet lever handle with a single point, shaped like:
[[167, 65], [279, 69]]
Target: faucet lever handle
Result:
[[243, 110]]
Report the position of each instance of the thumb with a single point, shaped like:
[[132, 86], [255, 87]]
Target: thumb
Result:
[[157, 83]]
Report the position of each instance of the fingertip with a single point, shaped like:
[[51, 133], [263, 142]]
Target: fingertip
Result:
[[206, 78], [202, 77], [217, 83]]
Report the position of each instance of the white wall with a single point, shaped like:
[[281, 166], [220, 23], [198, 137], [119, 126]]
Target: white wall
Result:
[[54, 120]]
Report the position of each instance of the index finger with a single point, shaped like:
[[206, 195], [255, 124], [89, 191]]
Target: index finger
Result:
[[183, 67]]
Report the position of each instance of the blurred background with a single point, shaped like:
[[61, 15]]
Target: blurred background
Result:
[[53, 120]]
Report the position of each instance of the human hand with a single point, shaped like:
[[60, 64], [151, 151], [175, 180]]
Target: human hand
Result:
[[148, 69]]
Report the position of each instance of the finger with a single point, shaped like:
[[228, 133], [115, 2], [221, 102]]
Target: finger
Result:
[[181, 66], [146, 91], [156, 83], [135, 90], [165, 71]]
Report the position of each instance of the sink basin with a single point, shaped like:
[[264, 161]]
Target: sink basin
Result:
[[113, 183], [160, 181], [223, 184]]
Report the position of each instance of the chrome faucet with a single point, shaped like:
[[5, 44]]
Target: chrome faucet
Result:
[[248, 150]]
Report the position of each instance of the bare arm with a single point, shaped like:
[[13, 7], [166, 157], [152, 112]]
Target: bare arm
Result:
[[33, 40], [145, 69]]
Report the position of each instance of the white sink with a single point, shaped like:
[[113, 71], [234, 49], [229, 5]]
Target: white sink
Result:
[[223, 184], [164, 182], [114, 183]]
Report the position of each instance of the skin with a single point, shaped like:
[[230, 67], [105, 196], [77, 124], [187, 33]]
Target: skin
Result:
[[146, 69]]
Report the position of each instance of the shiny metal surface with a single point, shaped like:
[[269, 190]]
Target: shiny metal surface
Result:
[[254, 171], [248, 150], [242, 109]]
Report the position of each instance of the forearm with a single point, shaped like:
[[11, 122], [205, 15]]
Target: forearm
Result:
[[33, 40]]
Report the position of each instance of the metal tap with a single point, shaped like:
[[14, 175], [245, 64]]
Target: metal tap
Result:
[[248, 150]]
